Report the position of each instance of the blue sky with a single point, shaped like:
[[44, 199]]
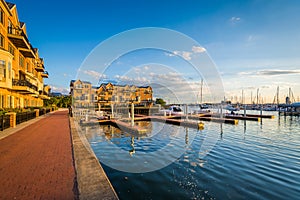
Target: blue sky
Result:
[[254, 44]]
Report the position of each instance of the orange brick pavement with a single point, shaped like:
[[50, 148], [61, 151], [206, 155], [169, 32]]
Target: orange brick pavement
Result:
[[36, 162]]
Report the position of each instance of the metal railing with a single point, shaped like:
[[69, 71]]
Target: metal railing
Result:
[[16, 82], [23, 117], [19, 32], [4, 122]]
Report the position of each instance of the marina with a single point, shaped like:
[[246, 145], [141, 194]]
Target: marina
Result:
[[149, 100], [249, 159]]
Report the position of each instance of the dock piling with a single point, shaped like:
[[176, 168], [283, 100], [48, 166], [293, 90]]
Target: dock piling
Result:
[[132, 114]]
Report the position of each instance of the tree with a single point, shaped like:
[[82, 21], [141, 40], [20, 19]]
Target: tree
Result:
[[61, 102], [160, 101]]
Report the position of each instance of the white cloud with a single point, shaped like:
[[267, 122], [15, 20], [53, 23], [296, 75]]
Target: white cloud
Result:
[[94, 74], [198, 49], [169, 54], [268, 72], [59, 89], [234, 20], [185, 54]]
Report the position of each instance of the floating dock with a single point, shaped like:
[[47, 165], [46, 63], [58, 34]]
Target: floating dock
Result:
[[250, 117], [128, 127], [190, 124], [204, 117], [261, 116], [125, 125], [240, 117]]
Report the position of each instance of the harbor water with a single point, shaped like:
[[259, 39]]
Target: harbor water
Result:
[[251, 160]]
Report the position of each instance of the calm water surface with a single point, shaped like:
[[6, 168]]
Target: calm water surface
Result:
[[251, 160]]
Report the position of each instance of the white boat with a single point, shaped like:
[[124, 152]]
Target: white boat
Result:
[[172, 110], [231, 108], [296, 104]]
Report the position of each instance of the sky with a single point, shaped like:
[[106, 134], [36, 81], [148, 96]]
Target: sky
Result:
[[252, 43]]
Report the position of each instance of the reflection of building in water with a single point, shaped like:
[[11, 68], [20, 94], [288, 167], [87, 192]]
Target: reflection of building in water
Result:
[[145, 124], [108, 93], [132, 151], [111, 132]]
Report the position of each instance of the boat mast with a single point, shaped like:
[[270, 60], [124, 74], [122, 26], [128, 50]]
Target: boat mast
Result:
[[201, 90], [257, 96], [277, 95], [243, 97]]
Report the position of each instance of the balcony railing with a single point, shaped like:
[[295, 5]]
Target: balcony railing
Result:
[[45, 74], [20, 40], [25, 83]]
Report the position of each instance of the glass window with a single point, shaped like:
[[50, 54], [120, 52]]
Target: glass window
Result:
[[1, 16], [10, 27], [9, 70], [21, 61], [11, 50], [1, 41], [2, 69]]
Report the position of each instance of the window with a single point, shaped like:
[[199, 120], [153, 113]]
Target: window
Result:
[[1, 41], [9, 70], [1, 16], [21, 61], [2, 69], [79, 86], [11, 50], [8, 101], [10, 27]]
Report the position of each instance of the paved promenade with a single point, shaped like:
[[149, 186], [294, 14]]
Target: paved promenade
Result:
[[36, 162]]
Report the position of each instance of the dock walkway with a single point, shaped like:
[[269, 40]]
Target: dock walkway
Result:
[[36, 162]]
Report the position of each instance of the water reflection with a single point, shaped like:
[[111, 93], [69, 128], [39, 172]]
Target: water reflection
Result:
[[132, 151], [186, 136], [256, 167]]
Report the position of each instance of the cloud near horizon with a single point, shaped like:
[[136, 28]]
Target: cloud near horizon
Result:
[[59, 89], [273, 72]]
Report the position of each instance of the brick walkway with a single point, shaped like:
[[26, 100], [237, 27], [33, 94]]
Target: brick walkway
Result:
[[36, 162]]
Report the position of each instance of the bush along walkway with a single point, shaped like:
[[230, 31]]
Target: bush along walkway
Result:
[[36, 162]]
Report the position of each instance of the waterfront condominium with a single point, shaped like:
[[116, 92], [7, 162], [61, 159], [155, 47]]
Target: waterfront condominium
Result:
[[21, 69], [84, 95]]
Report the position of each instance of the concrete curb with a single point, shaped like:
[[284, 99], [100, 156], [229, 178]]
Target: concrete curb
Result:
[[91, 178]]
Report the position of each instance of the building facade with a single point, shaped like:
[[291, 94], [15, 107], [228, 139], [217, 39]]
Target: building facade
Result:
[[22, 71], [83, 94], [110, 93]]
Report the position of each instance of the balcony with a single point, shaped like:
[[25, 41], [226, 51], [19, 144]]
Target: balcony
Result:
[[45, 74], [44, 94], [24, 87], [20, 40], [39, 67]]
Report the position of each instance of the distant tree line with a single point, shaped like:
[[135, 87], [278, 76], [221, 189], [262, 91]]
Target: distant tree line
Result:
[[160, 101], [59, 101]]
